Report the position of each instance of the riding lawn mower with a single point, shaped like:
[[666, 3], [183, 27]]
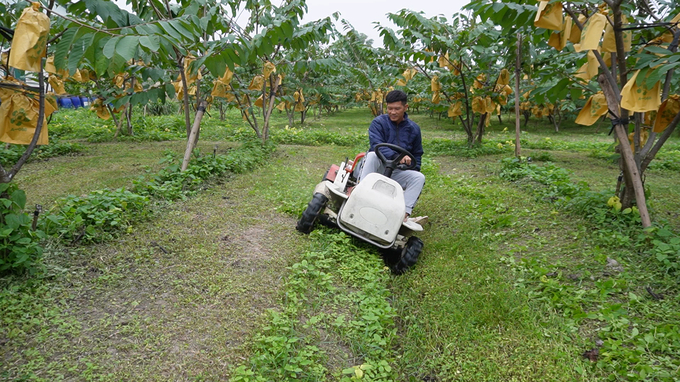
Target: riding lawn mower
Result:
[[372, 209]]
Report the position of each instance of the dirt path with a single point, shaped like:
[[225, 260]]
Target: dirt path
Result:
[[175, 300]]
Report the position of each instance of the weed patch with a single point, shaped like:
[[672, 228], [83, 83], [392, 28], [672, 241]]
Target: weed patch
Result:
[[10, 155], [630, 343], [19, 244], [104, 214]]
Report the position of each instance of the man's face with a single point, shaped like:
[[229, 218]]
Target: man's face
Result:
[[396, 111]]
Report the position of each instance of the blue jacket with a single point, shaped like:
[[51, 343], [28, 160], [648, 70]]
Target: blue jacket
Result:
[[406, 135]]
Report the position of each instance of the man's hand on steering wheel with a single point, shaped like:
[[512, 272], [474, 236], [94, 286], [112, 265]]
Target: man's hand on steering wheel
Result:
[[405, 160]]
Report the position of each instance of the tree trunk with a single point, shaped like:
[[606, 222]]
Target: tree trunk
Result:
[[631, 171], [291, 115], [527, 114], [128, 119], [221, 106], [185, 98], [480, 128], [518, 148], [193, 135]]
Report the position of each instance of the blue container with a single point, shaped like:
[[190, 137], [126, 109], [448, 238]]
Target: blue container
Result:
[[85, 101], [65, 103], [75, 100]]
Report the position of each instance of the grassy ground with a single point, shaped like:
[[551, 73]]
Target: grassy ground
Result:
[[212, 284]]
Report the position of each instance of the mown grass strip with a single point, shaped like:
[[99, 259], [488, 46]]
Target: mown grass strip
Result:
[[460, 318], [336, 322]]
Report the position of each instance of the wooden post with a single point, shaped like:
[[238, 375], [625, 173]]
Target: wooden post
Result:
[[613, 100], [191, 142], [518, 72]]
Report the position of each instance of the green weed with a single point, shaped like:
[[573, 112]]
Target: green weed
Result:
[[20, 249]]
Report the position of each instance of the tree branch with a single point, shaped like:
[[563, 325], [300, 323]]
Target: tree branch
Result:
[[598, 56]]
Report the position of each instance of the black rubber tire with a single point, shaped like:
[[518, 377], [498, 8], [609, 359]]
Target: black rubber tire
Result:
[[311, 213], [409, 255]]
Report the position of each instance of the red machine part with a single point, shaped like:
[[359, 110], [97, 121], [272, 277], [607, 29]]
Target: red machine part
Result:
[[332, 173]]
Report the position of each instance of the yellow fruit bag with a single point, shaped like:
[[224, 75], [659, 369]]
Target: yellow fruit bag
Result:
[[436, 97], [455, 110], [435, 86], [559, 40], [30, 39], [575, 33], [667, 112], [595, 107], [99, 107], [479, 105], [19, 116], [256, 83], [609, 39], [640, 98], [269, 68], [588, 70], [503, 77], [549, 16], [57, 85], [220, 89], [592, 32]]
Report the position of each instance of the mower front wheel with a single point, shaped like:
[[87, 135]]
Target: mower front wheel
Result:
[[309, 216], [409, 255]]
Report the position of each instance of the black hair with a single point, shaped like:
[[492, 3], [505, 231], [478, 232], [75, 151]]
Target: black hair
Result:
[[396, 96]]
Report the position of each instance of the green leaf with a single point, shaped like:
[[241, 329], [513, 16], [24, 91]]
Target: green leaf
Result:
[[177, 24], [15, 221], [78, 51], [170, 30], [127, 47], [153, 43], [110, 47], [63, 48], [19, 197]]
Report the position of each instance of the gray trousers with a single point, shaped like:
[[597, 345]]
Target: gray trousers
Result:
[[411, 181]]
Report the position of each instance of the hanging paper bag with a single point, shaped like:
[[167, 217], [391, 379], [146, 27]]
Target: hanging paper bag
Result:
[[19, 117], [57, 85], [99, 107], [479, 105], [256, 83], [589, 69], [219, 89], [667, 112], [559, 40], [549, 16], [503, 77], [30, 39], [455, 110], [575, 34], [592, 32], [269, 68], [609, 39], [595, 107], [226, 78], [435, 86], [436, 97], [640, 98]]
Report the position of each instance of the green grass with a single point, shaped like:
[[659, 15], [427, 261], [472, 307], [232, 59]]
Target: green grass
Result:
[[510, 286]]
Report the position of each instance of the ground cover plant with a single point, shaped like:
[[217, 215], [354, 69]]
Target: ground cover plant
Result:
[[518, 279]]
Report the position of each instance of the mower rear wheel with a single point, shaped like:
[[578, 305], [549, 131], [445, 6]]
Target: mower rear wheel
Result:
[[309, 216], [409, 255]]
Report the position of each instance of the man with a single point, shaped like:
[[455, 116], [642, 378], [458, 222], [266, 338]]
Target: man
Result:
[[396, 128]]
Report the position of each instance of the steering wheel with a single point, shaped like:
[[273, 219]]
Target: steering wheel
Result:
[[390, 165]]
